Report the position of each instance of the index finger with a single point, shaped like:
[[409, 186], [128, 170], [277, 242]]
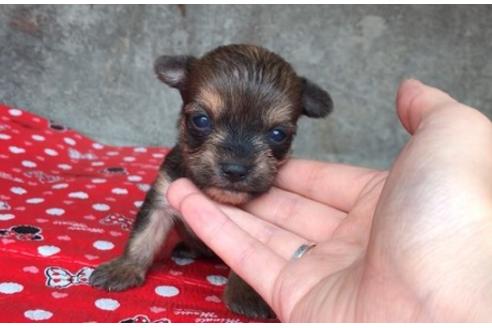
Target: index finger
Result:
[[236, 247], [337, 185]]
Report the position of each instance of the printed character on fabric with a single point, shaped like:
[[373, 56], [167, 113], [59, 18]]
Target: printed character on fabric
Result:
[[22, 232]]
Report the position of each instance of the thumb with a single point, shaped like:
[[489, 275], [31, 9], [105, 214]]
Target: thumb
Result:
[[416, 100]]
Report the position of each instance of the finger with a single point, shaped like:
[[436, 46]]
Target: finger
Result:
[[336, 185], [415, 100], [309, 219], [281, 241], [243, 253]]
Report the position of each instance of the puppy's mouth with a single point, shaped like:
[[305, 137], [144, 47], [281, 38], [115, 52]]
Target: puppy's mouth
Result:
[[228, 196], [223, 190]]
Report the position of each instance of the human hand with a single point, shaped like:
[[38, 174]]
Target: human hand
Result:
[[410, 244]]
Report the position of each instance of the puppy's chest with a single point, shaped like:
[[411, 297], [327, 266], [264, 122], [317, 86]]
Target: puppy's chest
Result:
[[172, 169]]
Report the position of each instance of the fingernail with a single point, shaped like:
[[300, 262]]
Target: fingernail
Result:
[[407, 89], [178, 190], [412, 82]]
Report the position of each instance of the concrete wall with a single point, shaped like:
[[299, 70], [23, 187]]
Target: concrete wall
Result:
[[90, 66]]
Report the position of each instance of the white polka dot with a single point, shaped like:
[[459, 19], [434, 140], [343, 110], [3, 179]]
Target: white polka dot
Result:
[[6, 216], [98, 180], [138, 203], [69, 141], [112, 153], [15, 112], [144, 187], [31, 269], [128, 159], [50, 152], [101, 207], [97, 146], [213, 299], [58, 295], [48, 250], [10, 288], [97, 163], [140, 150], [157, 155], [35, 200], [28, 164], [64, 166], [182, 260], [78, 195], [37, 137], [4, 136], [55, 211], [107, 304], [119, 191], [166, 291], [60, 186], [103, 245], [16, 150], [217, 280], [38, 315], [134, 178], [18, 190]]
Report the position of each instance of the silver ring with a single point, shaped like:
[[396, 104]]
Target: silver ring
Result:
[[302, 250]]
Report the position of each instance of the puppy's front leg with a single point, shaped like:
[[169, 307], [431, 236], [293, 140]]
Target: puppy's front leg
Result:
[[154, 221]]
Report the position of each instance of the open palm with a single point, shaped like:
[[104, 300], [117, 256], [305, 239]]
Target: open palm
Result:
[[410, 244]]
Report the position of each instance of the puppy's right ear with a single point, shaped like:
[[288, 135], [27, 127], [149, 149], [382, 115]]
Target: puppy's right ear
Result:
[[173, 70]]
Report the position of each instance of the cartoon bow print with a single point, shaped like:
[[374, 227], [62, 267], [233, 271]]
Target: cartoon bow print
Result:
[[61, 278]]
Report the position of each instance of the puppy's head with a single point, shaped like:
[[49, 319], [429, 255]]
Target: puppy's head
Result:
[[241, 104]]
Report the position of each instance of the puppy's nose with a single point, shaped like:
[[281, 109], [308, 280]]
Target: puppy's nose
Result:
[[235, 171]]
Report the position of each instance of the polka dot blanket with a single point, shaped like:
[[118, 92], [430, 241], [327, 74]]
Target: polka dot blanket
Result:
[[66, 205]]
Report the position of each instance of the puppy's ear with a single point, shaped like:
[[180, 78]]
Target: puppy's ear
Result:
[[173, 70], [316, 102]]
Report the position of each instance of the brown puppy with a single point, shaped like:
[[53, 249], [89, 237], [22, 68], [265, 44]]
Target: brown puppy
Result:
[[241, 104]]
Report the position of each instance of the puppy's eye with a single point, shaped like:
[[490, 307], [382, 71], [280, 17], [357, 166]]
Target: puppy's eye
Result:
[[277, 135], [201, 122]]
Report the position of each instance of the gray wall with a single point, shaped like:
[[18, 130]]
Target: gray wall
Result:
[[90, 66]]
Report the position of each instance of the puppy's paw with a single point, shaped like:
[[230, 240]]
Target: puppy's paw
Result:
[[183, 251], [117, 275], [240, 298], [257, 309]]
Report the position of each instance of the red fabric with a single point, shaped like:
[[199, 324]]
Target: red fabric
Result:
[[66, 205]]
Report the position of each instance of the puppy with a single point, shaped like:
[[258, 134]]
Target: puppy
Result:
[[240, 107]]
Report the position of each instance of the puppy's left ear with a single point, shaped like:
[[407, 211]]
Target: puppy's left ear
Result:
[[316, 102], [173, 70]]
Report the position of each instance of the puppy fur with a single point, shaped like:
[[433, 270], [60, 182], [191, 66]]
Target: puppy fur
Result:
[[240, 108]]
